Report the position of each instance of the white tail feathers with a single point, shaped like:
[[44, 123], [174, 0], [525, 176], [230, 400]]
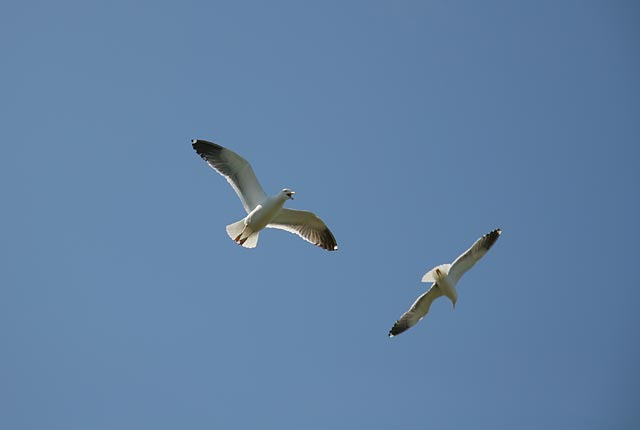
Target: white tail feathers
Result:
[[235, 229], [240, 234], [250, 241], [431, 276]]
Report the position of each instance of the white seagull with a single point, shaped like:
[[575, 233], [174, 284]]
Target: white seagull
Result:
[[444, 278], [262, 210]]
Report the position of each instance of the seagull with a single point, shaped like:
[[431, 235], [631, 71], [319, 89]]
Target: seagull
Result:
[[444, 278], [262, 210]]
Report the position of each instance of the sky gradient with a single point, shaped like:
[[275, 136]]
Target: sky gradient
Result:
[[411, 128]]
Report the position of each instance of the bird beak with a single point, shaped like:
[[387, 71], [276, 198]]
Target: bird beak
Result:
[[291, 195]]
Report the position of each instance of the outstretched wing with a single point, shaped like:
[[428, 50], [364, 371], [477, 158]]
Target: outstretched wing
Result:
[[307, 225], [471, 256], [235, 169], [417, 311]]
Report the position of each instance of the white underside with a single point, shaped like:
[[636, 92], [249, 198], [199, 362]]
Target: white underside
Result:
[[246, 231]]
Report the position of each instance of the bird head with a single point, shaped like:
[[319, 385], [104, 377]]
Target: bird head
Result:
[[289, 193]]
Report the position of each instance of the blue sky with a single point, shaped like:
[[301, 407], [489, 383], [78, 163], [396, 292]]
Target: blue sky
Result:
[[411, 128]]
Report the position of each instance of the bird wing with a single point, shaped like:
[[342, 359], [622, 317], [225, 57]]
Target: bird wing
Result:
[[471, 256], [307, 225], [417, 311], [235, 169]]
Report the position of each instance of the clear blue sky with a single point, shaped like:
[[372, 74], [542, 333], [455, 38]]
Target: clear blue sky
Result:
[[411, 128]]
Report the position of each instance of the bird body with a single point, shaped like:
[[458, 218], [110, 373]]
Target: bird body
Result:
[[260, 217], [446, 284], [246, 231]]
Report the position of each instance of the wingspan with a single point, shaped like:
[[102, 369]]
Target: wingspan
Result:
[[417, 311], [471, 256], [235, 169], [307, 225]]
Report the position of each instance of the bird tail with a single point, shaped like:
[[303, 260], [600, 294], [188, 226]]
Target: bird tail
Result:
[[431, 276], [250, 241], [240, 234]]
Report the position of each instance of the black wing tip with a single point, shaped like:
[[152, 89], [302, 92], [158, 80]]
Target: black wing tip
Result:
[[204, 145], [397, 328], [328, 246], [327, 241], [492, 237]]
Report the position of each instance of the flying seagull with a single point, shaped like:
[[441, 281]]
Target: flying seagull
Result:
[[444, 278], [262, 210]]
